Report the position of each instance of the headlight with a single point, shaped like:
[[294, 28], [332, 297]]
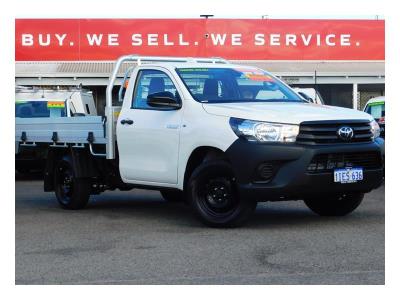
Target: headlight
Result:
[[256, 131], [375, 129]]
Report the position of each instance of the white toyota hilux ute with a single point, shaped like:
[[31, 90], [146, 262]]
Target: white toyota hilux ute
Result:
[[218, 136]]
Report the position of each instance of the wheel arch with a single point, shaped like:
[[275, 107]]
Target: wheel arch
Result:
[[82, 163], [200, 155]]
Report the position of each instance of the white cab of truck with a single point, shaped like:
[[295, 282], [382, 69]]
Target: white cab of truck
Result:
[[220, 137]]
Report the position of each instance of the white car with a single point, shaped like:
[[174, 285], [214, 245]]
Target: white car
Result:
[[376, 108], [219, 136], [35, 102]]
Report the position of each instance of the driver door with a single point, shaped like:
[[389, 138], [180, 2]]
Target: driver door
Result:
[[148, 137]]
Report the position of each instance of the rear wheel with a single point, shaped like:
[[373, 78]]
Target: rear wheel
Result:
[[335, 205], [213, 195], [71, 192]]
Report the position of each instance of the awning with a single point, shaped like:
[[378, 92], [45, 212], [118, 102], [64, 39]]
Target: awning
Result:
[[97, 72]]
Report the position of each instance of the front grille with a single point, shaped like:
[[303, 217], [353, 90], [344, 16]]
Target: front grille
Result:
[[326, 132], [322, 163]]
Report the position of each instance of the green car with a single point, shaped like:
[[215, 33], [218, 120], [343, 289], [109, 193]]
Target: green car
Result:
[[376, 108]]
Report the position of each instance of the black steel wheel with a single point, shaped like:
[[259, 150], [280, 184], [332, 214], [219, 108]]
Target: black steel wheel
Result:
[[334, 205], [213, 195], [71, 192]]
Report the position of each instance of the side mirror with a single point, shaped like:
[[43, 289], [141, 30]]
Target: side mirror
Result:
[[163, 100], [306, 97]]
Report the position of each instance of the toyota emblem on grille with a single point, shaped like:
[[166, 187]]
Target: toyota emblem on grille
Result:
[[345, 133]]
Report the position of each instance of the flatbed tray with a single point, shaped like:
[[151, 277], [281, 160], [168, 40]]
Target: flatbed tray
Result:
[[70, 130]]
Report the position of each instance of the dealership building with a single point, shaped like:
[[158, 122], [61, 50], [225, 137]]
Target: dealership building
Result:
[[342, 59]]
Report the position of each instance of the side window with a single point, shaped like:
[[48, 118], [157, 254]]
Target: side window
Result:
[[150, 82]]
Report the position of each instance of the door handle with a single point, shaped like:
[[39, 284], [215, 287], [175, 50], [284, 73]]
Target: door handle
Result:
[[126, 121]]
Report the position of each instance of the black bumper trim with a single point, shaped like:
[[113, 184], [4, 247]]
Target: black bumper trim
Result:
[[292, 181]]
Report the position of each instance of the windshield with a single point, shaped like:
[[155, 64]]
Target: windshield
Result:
[[377, 110], [216, 85]]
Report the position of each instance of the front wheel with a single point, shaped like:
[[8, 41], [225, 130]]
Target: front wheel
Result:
[[335, 205], [213, 195], [71, 192]]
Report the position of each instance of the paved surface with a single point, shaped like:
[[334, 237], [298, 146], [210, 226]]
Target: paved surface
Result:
[[138, 238]]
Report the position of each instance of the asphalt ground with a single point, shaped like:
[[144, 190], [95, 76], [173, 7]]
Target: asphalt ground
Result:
[[138, 238]]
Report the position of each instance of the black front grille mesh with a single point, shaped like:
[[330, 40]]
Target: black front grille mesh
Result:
[[325, 132], [323, 163]]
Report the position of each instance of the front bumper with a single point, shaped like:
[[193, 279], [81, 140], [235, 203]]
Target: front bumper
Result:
[[291, 179]]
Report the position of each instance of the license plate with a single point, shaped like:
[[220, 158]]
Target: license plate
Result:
[[348, 175]]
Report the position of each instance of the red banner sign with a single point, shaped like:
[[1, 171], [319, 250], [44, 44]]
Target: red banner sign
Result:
[[244, 39]]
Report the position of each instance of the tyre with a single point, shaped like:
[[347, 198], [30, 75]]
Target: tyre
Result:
[[172, 195], [212, 193], [71, 192], [337, 205]]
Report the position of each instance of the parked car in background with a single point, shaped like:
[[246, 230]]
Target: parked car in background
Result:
[[35, 102], [310, 94], [376, 108]]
